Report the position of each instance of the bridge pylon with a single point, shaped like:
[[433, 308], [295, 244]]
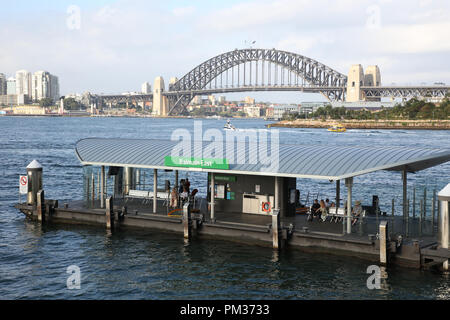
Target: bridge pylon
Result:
[[160, 102]]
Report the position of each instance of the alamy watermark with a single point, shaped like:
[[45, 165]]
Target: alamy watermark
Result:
[[374, 280], [373, 21], [74, 280], [250, 146], [73, 21]]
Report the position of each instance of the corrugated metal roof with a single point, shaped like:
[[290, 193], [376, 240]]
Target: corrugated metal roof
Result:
[[300, 161]]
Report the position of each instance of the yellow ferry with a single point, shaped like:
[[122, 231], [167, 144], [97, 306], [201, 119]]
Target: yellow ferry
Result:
[[337, 128]]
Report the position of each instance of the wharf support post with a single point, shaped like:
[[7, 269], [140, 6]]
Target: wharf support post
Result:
[[277, 241], [444, 222], [383, 237], [109, 213], [187, 221], [40, 208]]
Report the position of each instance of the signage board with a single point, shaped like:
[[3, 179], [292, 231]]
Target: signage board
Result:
[[23, 185], [192, 162]]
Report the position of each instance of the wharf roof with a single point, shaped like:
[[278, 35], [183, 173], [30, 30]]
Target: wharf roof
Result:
[[289, 160]]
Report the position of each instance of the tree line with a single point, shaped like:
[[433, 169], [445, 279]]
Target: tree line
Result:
[[413, 109]]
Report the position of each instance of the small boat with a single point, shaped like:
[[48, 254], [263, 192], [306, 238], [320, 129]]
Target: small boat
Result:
[[337, 128], [229, 126]]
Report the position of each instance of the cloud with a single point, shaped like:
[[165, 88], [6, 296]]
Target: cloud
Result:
[[127, 42], [411, 39], [183, 11]]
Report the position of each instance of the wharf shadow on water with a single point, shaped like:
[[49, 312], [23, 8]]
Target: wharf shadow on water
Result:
[[138, 264]]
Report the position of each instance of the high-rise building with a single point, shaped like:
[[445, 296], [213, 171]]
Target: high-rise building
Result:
[[11, 86], [54, 88], [23, 83], [2, 84], [44, 85], [40, 85], [146, 88]]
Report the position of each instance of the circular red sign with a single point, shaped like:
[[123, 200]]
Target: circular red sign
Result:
[[23, 180]]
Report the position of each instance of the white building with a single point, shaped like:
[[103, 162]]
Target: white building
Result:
[[23, 83], [278, 111], [11, 86], [221, 100], [146, 88], [40, 85], [252, 111], [44, 85]]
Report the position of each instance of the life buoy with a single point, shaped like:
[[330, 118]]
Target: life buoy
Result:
[[266, 206]]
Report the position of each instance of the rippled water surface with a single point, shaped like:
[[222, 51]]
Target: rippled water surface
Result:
[[152, 265]]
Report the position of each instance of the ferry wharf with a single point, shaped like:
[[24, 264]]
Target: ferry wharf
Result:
[[134, 183]]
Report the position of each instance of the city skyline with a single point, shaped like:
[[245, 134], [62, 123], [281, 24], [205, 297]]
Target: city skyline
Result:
[[115, 46]]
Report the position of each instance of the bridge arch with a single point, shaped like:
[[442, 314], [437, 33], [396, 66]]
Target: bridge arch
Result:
[[313, 72]]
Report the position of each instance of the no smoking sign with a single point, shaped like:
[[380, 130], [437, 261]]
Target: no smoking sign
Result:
[[23, 185]]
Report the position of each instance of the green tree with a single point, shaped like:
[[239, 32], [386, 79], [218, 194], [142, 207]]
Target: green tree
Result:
[[71, 104], [46, 102]]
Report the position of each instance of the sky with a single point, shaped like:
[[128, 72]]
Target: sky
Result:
[[109, 46]]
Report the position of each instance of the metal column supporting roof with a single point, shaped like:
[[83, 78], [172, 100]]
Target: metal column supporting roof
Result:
[[301, 161]]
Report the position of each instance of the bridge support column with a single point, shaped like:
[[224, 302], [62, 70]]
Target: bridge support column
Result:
[[160, 103]]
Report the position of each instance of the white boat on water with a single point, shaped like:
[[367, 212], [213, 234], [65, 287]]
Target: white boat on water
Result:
[[228, 126]]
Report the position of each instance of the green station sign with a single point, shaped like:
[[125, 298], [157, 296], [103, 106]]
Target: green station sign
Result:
[[192, 162], [218, 177]]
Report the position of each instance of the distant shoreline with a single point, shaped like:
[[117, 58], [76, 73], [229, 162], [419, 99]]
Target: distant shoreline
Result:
[[367, 124]]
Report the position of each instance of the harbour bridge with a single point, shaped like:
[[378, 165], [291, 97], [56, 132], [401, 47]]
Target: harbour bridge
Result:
[[264, 70]]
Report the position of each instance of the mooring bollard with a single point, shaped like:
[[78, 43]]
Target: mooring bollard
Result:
[[109, 216], [40, 206], [383, 237], [187, 220], [34, 174], [276, 229]]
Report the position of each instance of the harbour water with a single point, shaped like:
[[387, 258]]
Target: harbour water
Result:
[[149, 265]]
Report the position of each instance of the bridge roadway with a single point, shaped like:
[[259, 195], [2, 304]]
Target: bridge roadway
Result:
[[384, 91]]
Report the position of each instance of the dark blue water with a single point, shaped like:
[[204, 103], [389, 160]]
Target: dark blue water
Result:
[[148, 265]]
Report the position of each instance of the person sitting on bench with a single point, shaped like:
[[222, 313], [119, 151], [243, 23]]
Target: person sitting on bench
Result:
[[356, 212], [314, 209], [174, 198], [322, 211]]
